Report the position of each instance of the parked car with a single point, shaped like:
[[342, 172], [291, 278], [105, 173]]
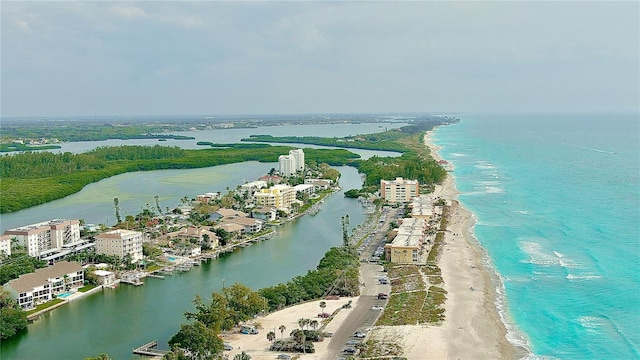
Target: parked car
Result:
[[249, 330], [353, 342], [377, 308], [324, 315], [284, 357], [227, 347], [360, 335], [382, 296], [349, 350]]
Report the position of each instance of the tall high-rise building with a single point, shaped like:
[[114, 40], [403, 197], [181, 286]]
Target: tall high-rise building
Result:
[[298, 156], [292, 163]]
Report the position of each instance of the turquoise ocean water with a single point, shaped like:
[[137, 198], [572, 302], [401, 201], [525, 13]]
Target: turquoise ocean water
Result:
[[557, 204]]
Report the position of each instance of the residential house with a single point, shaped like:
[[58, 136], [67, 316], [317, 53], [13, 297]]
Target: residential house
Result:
[[207, 198], [318, 184], [264, 213], [105, 277]]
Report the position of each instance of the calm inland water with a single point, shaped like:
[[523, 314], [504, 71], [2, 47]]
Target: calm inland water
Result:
[[115, 321]]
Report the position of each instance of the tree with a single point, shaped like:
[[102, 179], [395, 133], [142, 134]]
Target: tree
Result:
[[345, 230], [314, 324], [271, 336], [299, 337], [102, 356], [323, 304], [201, 342], [242, 356], [116, 205], [157, 200], [12, 318], [282, 329]]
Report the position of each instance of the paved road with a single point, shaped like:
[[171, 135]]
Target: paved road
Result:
[[362, 317]]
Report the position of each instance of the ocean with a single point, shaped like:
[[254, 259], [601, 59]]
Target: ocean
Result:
[[557, 204]]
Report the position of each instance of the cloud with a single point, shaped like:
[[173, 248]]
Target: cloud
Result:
[[252, 57]]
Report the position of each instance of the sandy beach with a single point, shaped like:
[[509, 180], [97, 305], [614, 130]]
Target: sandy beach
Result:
[[472, 328]]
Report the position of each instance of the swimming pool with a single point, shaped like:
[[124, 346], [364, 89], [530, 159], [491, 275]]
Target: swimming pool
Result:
[[64, 295]]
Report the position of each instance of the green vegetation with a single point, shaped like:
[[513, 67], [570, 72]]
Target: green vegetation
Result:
[[227, 309], [77, 131], [23, 147], [12, 318], [43, 306], [415, 162], [17, 264], [408, 166], [30, 179], [336, 274]]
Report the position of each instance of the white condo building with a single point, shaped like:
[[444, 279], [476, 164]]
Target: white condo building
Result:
[[42, 238], [120, 242], [5, 245], [399, 190], [292, 163]]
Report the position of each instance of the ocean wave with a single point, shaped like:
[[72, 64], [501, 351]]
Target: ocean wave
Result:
[[458, 154], [539, 256], [591, 323], [493, 190], [583, 277]]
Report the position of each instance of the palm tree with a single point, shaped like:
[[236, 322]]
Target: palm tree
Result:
[[314, 324], [282, 329], [242, 356], [271, 336], [300, 337], [323, 304]]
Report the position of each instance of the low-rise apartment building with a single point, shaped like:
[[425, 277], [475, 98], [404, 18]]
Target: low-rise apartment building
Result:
[[410, 245], [5, 245], [399, 190], [120, 242], [44, 284], [277, 196]]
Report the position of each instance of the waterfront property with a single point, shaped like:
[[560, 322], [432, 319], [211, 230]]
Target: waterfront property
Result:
[[120, 242], [399, 190], [411, 244], [422, 207], [292, 163], [47, 237], [199, 235], [42, 285], [264, 213], [277, 196], [5, 245]]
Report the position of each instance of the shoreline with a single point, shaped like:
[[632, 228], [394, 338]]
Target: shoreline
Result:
[[475, 326], [487, 325]]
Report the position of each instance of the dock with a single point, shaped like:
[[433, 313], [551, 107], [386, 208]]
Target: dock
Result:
[[150, 349]]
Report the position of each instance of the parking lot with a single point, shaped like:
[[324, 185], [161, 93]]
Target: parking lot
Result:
[[370, 305]]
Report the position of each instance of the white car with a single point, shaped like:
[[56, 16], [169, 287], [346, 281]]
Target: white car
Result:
[[377, 308]]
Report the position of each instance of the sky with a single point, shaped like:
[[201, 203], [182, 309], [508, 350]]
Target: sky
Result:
[[287, 57]]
